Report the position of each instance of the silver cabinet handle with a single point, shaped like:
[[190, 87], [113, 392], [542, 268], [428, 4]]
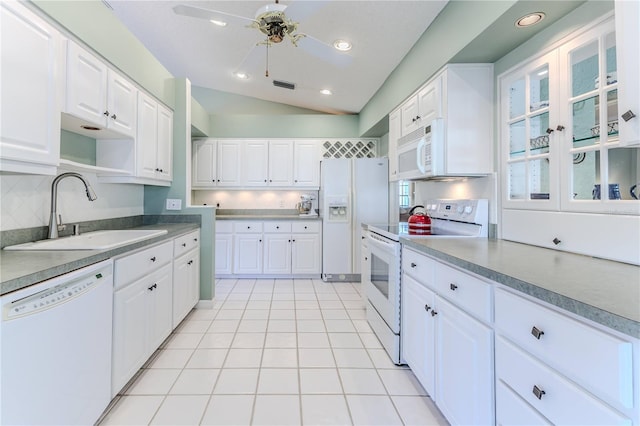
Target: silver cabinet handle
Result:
[[536, 332], [538, 392], [113, 116], [628, 115], [413, 265], [433, 313], [427, 307], [452, 286]]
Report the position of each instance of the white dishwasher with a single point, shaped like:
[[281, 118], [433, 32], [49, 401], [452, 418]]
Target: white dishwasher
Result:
[[56, 349]]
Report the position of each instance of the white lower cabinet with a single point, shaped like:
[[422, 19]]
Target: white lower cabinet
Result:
[[186, 275], [153, 291], [449, 351], [141, 321], [274, 248], [564, 368]]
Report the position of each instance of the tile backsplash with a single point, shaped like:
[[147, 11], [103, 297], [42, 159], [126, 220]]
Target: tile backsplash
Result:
[[25, 200]]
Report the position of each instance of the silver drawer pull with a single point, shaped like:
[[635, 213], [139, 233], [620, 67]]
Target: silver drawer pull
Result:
[[453, 287], [427, 307], [537, 333], [538, 392], [413, 265]]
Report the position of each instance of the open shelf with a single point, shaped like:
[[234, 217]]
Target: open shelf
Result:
[[88, 168]]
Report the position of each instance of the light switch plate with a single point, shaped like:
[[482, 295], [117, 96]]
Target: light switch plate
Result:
[[174, 204]]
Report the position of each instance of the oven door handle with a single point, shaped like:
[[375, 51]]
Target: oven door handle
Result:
[[381, 244]]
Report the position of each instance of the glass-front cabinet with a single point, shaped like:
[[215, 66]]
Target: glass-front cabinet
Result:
[[559, 131]]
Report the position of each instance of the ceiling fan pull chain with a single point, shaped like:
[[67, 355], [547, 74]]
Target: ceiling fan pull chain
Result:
[[266, 72]]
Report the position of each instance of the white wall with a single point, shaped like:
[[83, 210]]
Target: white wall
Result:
[[251, 199], [26, 200]]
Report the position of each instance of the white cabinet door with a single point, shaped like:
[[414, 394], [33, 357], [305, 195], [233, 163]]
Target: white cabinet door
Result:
[[147, 139], [86, 96], [164, 151], [429, 102], [255, 162], [305, 254], [418, 332], [464, 358], [130, 312], [628, 58], [31, 73], [224, 254], [185, 285], [410, 115], [395, 132], [306, 164], [203, 173], [281, 163], [121, 104], [277, 254], [247, 254], [228, 163], [160, 318]]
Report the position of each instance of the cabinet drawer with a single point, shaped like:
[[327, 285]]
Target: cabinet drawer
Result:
[[277, 227], [513, 410], [418, 266], [249, 227], [224, 227], [185, 243], [599, 361], [562, 402], [470, 293], [136, 265], [305, 226]]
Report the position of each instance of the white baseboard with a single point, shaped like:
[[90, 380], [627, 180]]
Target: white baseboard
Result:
[[204, 304]]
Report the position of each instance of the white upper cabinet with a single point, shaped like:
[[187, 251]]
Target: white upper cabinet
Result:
[[255, 155], [31, 72], [306, 164], [255, 163], [98, 95], [281, 163], [394, 134], [422, 108], [628, 55], [154, 139]]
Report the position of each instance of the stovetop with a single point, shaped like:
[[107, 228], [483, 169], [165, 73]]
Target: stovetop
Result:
[[449, 218]]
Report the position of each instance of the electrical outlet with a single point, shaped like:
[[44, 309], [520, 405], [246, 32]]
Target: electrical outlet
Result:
[[174, 204], [281, 204]]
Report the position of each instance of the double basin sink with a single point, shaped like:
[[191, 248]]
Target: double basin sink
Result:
[[97, 240]]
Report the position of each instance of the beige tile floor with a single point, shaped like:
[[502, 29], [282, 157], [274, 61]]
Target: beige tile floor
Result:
[[275, 352]]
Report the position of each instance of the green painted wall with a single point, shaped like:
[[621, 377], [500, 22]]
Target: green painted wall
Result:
[[284, 126], [457, 25], [78, 148], [199, 119]]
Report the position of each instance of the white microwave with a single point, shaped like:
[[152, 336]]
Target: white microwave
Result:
[[421, 152]]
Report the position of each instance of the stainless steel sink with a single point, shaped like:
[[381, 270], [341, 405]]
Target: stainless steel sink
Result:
[[98, 240]]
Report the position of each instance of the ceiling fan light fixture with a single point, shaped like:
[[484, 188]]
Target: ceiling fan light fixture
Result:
[[218, 22], [530, 19], [342, 45], [326, 92]]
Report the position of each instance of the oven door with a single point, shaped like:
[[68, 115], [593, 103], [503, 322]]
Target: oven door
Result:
[[382, 285]]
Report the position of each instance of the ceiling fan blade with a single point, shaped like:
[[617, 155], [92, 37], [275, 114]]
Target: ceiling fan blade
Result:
[[324, 51], [200, 13]]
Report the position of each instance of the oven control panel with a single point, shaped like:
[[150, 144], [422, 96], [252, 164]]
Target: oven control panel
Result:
[[469, 211]]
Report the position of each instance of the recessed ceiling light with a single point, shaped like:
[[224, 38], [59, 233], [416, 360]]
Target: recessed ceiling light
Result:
[[326, 92], [530, 19], [342, 45], [241, 75], [218, 23]]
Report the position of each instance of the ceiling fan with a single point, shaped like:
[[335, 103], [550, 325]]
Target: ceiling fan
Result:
[[276, 26]]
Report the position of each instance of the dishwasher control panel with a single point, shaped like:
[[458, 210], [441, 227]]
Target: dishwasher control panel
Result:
[[53, 296]]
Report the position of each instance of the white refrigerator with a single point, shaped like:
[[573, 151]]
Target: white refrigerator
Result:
[[352, 192]]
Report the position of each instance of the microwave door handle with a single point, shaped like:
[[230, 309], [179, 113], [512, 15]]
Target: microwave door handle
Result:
[[420, 155]]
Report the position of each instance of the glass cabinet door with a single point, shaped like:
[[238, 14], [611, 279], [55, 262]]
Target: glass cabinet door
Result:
[[599, 170], [527, 105]]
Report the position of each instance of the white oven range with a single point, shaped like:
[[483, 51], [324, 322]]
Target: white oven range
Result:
[[381, 274]]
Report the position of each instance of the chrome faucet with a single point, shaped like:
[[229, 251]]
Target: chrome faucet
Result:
[[54, 225]]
